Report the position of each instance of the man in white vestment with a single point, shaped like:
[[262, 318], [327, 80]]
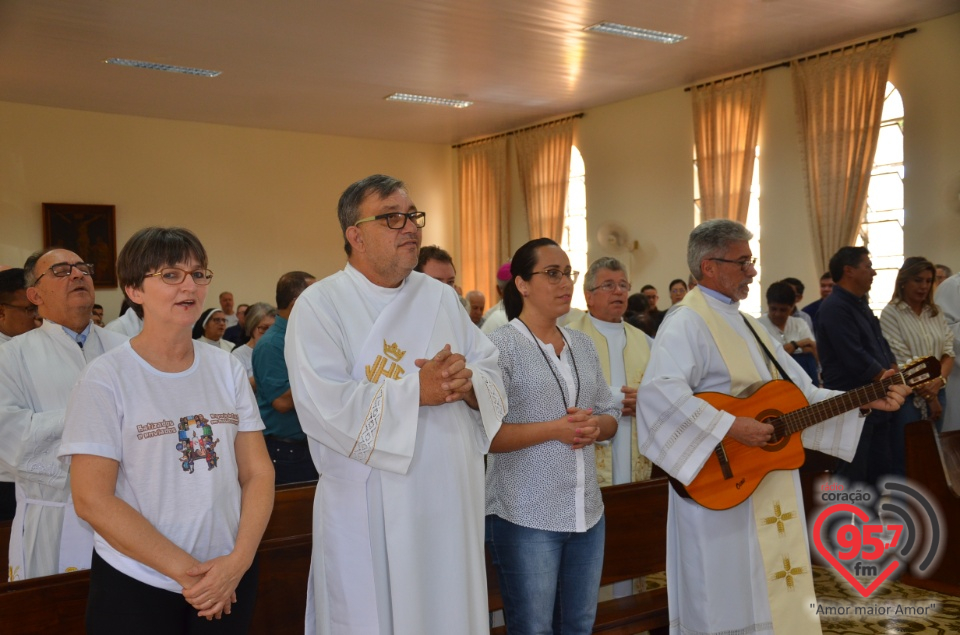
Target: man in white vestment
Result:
[[37, 371], [399, 395], [948, 299], [624, 351], [130, 323], [731, 571]]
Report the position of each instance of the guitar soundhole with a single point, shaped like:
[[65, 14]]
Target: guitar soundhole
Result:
[[770, 416]]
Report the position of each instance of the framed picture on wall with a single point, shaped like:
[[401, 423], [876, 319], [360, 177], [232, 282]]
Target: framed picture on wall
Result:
[[87, 230]]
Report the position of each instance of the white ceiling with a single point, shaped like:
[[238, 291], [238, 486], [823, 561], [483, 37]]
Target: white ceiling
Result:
[[324, 66]]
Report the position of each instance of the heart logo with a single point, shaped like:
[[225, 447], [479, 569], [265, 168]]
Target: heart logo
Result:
[[864, 591]]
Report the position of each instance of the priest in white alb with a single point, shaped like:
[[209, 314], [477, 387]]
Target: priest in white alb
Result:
[[37, 372], [399, 395], [745, 569]]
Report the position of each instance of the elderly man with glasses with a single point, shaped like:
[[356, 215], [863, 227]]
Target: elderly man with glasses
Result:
[[399, 395], [624, 351], [37, 371]]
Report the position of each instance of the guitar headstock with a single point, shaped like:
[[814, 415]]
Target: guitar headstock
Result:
[[920, 371]]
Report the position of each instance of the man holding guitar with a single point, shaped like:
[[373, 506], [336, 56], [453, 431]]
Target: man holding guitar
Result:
[[737, 566]]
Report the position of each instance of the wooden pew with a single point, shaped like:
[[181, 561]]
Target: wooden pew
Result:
[[636, 546], [933, 461], [55, 605]]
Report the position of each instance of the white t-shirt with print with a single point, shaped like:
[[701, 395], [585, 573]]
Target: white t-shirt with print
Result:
[[173, 434]]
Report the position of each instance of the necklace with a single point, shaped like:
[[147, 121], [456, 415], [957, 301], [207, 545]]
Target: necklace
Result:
[[576, 373]]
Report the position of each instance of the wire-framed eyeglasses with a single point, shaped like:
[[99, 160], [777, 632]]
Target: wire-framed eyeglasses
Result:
[[63, 269], [610, 286], [174, 275], [554, 276], [396, 220], [748, 262]]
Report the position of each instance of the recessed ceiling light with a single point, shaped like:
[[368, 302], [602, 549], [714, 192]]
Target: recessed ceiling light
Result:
[[434, 101], [635, 32], [185, 70]]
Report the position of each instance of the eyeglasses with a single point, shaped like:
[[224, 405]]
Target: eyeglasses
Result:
[[556, 275], [217, 320], [63, 269], [610, 286], [396, 220], [173, 275], [30, 310], [749, 262]]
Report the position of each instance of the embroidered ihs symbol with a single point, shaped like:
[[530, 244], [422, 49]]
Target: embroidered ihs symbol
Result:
[[392, 353]]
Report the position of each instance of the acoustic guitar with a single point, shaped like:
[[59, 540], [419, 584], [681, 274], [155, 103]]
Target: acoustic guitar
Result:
[[734, 471]]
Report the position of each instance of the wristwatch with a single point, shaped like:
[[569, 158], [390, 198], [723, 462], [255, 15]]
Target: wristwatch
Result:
[[796, 347]]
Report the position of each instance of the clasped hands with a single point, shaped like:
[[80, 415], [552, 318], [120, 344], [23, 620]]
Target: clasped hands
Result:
[[579, 428], [445, 378], [214, 584], [929, 392]]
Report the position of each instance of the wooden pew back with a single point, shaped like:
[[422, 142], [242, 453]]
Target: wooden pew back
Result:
[[933, 461]]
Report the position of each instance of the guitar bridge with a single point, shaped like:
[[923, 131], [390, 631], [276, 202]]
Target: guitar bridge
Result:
[[721, 453]]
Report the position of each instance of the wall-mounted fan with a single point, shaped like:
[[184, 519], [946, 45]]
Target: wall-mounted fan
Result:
[[613, 238]]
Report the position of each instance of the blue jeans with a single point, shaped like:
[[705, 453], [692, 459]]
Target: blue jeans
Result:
[[549, 580]]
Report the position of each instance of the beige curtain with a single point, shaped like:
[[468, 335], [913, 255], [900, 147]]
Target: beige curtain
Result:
[[839, 103], [484, 230], [726, 118], [543, 159]]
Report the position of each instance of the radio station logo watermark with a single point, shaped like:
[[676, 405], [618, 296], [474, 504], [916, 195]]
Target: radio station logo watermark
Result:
[[870, 536]]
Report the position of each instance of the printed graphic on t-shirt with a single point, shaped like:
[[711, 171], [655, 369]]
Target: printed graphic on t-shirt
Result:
[[196, 442]]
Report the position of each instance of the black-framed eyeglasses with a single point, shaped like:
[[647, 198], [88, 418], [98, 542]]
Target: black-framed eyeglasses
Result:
[[174, 275], [749, 262], [30, 310], [556, 275], [610, 286], [63, 269], [396, 220]]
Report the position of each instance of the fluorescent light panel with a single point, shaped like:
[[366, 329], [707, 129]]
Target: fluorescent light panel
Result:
[[185, 70], [433, 101], [635, 32]]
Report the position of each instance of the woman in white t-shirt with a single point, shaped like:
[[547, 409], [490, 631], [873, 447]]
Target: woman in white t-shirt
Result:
[[168, 463]]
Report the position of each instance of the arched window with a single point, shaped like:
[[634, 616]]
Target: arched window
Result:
[[754, 301], [575, 225], [882, 228]]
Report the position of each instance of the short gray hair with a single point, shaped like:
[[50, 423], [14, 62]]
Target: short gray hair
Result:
[[711, 238], [256, 314], [606, 262], [348, 209], [30, 274]]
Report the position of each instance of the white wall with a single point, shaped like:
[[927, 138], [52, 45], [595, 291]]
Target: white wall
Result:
[[263, 202]]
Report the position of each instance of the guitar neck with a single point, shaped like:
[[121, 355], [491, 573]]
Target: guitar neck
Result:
[[828, 408]]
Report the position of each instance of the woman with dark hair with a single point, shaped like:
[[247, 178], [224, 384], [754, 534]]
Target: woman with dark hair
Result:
[[168, 462], [678, 289], [915, 327], [545, 526], [210, 327]]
